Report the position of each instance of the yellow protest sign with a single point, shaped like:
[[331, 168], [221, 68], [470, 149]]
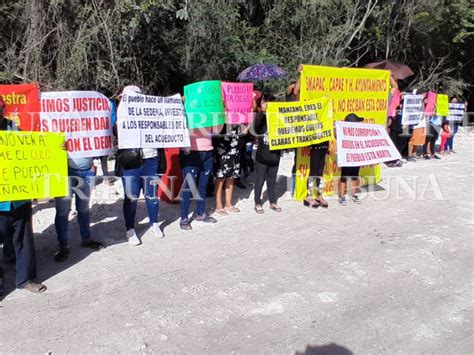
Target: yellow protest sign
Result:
[[442, 105], [353, 90], [32, 165], [299, 124], [364, 92]]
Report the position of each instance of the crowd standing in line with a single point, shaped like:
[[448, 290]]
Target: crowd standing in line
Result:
[[217, 155]]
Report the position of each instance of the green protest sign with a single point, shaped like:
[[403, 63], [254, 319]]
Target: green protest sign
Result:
[[204, 104]]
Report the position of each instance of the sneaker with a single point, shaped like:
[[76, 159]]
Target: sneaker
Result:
[[185, 225], [205, 218], [356, 199], [427, 157], [343, 201], [92, 244], [436, 156], [157, 230], [132, 238], [412, 159], [61, 255]]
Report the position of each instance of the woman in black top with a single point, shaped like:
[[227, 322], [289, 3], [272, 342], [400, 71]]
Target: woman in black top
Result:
[[266, 161]]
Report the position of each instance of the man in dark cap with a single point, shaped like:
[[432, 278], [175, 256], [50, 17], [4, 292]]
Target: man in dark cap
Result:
[[16, 230]]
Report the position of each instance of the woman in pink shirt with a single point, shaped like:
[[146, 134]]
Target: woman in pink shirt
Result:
[[196, 165]]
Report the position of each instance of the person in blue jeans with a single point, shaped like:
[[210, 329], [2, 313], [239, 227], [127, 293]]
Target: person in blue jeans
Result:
[[16, 230], [196, 165], [81, 175], [142, 178]]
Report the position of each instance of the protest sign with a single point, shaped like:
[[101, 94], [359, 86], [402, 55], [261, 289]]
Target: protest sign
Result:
[[442, 105], [430, 103], [204, 104], [85, 118], [299, 124], [394, 103], [353, 90], [412, 109], [32, 165], [456, 112], [364, 92], [22, 105], [361, 144], [145, 121], [238, 99]]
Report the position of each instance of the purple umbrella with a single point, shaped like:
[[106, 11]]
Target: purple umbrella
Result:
[[261, 72]]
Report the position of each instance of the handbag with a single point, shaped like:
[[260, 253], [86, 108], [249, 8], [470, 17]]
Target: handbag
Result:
[[130, 158]]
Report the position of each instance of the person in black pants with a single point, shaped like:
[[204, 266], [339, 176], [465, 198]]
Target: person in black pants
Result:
[[317, 161], [16, 230], [396, 135], [266, 161]]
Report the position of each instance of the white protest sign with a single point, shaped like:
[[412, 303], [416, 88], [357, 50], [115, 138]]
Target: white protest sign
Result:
[[412, 109], [360, 144], [85, 117], [145, 121], [456, 112]]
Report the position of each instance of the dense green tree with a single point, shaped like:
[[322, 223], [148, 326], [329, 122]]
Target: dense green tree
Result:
[[162, 45]]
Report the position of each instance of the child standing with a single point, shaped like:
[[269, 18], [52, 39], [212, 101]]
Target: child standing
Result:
[[445, 135], [349, 173]]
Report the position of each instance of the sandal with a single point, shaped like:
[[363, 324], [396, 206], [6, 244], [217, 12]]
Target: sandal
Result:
[[259, 209], [34, 287], [232, 209], [322, 202], [311, 203], [275, 207], [221, 212]]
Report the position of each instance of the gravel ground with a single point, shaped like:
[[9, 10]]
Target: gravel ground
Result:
[[393, 275]]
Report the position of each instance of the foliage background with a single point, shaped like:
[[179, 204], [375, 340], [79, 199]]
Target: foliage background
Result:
[[163, 45]]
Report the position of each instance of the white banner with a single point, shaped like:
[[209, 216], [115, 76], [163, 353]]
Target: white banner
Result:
[[456, 112], [360, 144], [412, 109], [145, 121], [85, 118]]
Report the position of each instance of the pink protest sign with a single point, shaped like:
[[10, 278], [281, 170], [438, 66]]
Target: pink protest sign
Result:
[[238, 98], [430, 105], [394, 102]]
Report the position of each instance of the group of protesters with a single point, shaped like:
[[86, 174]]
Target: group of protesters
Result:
[[219, 156], [419, 141]]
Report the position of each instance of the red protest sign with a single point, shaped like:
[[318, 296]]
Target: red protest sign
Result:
[[22, 105]]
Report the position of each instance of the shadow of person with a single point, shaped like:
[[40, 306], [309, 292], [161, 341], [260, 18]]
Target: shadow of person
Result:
[[104, 218], [281, 187], [328, 349]]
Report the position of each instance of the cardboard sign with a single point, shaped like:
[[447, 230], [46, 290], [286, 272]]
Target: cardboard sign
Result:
[[238, 100], [364, 92], [430, 104], [442, 105], [204, 104], [85, 118], [145, 121], [394, 103], [360, 144], [412, 109], [22, 105], [456, 112], [32, 165], [299, 124]]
